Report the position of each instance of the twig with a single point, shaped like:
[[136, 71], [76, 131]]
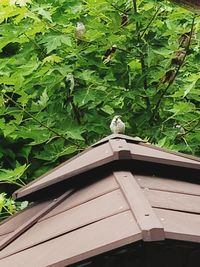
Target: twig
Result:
[[123, 50], [142, 60], [116, 8], [76, 111], [35, 119], [176, 73], [36, 45], [189, 130], [151, 20]]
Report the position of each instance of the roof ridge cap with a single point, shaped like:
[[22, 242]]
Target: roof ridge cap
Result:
[[131, 139]]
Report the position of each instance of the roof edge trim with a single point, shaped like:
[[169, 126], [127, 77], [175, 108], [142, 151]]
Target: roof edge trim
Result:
[[147, 220]]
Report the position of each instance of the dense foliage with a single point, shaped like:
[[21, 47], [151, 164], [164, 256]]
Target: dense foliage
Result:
[[58, 92]]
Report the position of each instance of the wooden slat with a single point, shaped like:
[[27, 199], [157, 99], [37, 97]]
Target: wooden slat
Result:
[[180, 225], [31, 221], [87, 213], [96, 238], [87, 160], [148, 222], [3, 236], [171, 185], [145, 153], [187, 156], [83, 195], [141, 149], [173, 201], [19, 218]]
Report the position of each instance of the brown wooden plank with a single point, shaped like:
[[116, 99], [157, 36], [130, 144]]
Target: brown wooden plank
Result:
[[143, 149], [170, 185], [31, 221], [83, 195], [148, 222], [19, 218], [173, 201], [3, 236], [171, 151], [91, 240], [140, 152], [91, 158], [180, 225], [79, 216]]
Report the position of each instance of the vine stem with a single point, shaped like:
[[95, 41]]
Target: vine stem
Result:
[[176, 72]]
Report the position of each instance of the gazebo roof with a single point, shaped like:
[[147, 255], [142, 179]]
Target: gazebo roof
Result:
[[119, 191], [115, 147]]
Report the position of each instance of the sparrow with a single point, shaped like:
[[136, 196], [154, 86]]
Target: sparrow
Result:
[[80, 30], [179, 128], [169, 76], [117, 126], [109, 53], [179, 57], [124, 19]]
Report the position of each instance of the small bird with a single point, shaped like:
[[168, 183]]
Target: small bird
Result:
[[80, 30], [179, 128], [179, 57], [124, 19], [168, 76], [117, 126], [109, 53]]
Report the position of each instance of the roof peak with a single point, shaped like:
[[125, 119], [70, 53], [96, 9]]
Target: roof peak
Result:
[[135, 139]]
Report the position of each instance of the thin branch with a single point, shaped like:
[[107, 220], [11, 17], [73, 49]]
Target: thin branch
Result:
[[123, 50], [151, 20], [36, 45], [116, 8], [35, 119], [135, 6], [189, 130], [176, 73], [142, 60], [76, 111]]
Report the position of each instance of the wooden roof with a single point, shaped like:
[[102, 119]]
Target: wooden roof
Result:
[[113, 148], [119, 191]]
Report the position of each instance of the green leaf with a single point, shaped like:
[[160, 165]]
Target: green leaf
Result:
[[2, 201], [2, 101], [44, 13], [182, 108], [42, 102], [52, 42], [53, 58], [52, 151], [108, 109], [13, 176], [134, 64], [23, 205], [188, 88], [35, 134], [75, 134]]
